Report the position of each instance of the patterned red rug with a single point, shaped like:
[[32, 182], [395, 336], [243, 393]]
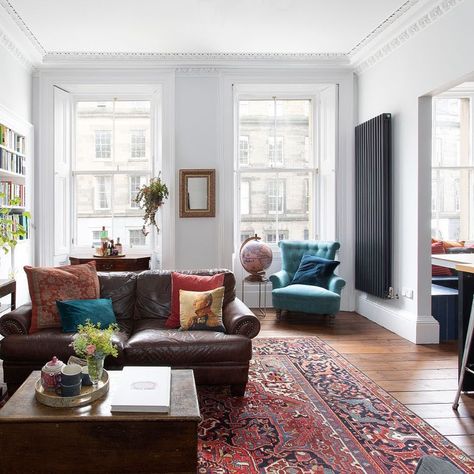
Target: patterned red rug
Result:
[[308, 410]]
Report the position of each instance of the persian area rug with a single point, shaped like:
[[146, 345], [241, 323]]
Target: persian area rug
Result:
[[308, 410]]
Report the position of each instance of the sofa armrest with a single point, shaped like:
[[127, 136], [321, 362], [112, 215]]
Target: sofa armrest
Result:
[[239, 319], [17, 321], [336, 284], [280, 279]]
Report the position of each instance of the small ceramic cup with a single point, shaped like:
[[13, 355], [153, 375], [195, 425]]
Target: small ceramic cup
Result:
[[71, 374], [70, 390], [86, 380]]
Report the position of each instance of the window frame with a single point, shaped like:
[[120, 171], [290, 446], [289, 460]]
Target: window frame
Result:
[[281, 92], [156, 103], [437, 213]]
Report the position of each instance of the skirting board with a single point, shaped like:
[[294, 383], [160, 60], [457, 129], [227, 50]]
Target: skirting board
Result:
[[418, 329]]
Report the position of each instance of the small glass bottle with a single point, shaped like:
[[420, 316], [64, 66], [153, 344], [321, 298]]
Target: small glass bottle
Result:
[[118, 247]]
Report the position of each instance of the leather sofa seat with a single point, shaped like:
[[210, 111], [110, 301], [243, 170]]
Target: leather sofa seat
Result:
[[46, 343], [153, 344]]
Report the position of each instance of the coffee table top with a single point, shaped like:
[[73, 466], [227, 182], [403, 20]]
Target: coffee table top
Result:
[[23, 405]]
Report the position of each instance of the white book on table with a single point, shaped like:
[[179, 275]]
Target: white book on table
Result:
[[142, 389]]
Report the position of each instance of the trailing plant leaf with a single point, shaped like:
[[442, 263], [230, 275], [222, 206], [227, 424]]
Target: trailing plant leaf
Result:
[[150, 197], [10, 233]]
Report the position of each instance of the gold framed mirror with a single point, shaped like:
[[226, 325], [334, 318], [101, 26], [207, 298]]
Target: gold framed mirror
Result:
[[197, 193]]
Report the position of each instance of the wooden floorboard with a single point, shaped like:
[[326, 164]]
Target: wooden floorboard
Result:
[[422, 377]]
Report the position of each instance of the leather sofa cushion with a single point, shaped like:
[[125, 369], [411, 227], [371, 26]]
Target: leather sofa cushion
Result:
[[153, 344], [153, 294], [120, 287], [43, 345]]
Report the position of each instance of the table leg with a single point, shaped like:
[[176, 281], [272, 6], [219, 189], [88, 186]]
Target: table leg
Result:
[[466, 291]]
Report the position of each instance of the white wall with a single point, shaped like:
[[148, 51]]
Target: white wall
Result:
[[437, 57], [15, 96], [196, 112]]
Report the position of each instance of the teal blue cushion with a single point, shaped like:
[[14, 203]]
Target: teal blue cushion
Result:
[[307, 299], [314, 270], [75, 312]]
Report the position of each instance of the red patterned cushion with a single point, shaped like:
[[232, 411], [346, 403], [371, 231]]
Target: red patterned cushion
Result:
[[48, 284], [438, 248], [180, 281]]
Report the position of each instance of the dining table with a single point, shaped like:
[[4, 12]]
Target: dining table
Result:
[[463, 263]]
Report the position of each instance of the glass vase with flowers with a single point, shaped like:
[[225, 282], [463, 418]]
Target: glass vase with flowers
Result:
[[94, 344]]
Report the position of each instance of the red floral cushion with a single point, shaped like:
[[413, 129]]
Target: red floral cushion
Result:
[[48, 284], [180, 281], [438, 248]]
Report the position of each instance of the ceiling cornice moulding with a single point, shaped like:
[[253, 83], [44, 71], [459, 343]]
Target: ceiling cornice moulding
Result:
[[15, 16], [7, 42], [376, 32], [426, 18], [186, 61]]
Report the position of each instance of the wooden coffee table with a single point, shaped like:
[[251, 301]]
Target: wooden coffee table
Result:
[[37, 438]]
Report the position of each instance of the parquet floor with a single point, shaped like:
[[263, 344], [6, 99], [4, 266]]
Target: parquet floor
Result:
[[422, 377]]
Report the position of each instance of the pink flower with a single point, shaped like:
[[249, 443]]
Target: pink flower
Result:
[[90, 349]]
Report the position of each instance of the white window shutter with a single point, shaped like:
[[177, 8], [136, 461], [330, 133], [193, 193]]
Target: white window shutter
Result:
[[327, 162], [62, 176]]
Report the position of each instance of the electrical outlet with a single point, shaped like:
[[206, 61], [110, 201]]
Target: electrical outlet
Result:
[[407, 293]]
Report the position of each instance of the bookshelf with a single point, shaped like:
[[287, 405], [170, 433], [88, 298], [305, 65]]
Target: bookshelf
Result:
[[13, 173], [16, 181]]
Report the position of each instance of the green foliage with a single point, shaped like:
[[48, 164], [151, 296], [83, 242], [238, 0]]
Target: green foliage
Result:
[[10, 233], [91, 340], [150, 197]]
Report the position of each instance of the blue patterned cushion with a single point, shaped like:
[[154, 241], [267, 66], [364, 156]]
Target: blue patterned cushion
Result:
[[314, 271]]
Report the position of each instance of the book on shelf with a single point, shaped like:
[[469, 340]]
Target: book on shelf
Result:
[[9, 161], [10, 191], [142, 389], [12, 140]]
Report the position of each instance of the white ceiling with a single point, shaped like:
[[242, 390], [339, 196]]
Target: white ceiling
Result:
[[201, 26]]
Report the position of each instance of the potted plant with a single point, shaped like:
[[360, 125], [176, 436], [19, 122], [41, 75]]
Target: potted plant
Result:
[[150, 197], [93, 344], [10, 232]]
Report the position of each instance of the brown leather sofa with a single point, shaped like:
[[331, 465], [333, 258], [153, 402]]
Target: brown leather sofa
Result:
[[141, 304]]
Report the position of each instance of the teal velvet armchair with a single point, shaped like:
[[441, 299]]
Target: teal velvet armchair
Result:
[[305, 298]]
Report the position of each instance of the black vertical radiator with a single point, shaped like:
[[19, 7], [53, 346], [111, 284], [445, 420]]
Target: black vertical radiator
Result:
[[373, 203]]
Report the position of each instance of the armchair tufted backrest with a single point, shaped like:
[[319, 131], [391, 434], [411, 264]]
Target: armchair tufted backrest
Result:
[[293, 250]]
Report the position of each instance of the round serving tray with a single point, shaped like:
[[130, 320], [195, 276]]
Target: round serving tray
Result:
[[88, 394]]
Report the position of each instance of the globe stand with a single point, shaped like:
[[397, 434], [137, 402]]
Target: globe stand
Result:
[[256, 277], [261, 281]]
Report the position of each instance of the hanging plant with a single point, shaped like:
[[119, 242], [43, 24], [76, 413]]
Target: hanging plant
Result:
[[10, 231], [150, 197]]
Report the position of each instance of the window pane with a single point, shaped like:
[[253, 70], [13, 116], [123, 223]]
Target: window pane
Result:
[[138, 144], [279, 132], [113, 135], [451, 134], [105, 200], [277, 202], [112, 162], [453, 191]]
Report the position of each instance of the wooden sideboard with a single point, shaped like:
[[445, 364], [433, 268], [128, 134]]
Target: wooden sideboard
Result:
[[133, 263]]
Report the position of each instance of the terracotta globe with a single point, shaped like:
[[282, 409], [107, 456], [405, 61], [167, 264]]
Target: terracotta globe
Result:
[[255, 257]]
